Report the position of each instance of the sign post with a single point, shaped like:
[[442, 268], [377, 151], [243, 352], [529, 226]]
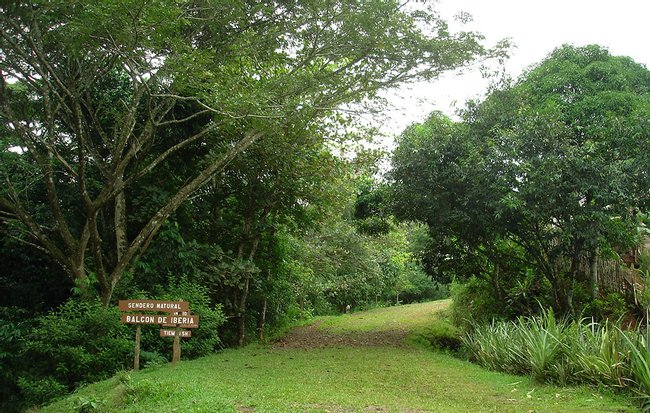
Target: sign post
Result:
[[136, 352], [176, 349], [175, 314]]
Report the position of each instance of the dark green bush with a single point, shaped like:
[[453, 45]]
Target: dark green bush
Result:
[[422, 287], [15, 324], [612, 307], [473, 301], [442, 336], [80, 342], [205, 339], [42, 390]]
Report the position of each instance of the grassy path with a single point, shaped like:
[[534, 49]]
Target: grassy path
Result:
[[352, 363]]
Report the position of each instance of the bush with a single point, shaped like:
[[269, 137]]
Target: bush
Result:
[[205, 339], [40, 391], [80, 342], [441, 335], [474, 303], [15, 324], [612, 307], [422, 287]]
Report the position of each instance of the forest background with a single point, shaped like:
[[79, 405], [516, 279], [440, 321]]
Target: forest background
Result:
[[208, 151]]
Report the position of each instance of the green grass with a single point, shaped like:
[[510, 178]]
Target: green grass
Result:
[[346, 379], [405, 317]]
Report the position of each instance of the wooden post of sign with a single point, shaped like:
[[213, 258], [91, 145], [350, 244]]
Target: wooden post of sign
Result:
[[176, 351], [136, 359]]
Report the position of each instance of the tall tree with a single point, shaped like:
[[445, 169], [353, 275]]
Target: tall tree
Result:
[[556, 163], [87, 89]]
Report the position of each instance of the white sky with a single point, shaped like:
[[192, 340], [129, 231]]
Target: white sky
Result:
[[536, 28]]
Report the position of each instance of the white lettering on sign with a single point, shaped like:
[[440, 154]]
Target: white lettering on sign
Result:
[[172, 333], [181, 320], [145, 319], [153, 305], [140, 305], [168, 306], [139, 319]]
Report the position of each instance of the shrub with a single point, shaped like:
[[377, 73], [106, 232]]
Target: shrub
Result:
[[205, 339], [474, 303], [36, 392], [422, 288], [440, 335], [82, 342], [612, 307], [79, 342], [15, 324], [443, 336]]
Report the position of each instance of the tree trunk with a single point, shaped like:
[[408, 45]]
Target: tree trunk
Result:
[[593, 272], [558, 296], [569, 298], [496, 284], [241, 321], [121, 243], [261, 321], [244, 296], [563, 291]]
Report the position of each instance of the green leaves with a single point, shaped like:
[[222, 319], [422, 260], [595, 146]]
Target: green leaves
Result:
[[551, 163]]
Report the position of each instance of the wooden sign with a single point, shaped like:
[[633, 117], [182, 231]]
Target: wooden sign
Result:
[[178, 317], [190, 321], [172, 333], [153, 305]]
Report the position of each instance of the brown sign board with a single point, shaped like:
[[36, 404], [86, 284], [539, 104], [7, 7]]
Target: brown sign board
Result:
[[191, 321], [153, 305], [172, 333]]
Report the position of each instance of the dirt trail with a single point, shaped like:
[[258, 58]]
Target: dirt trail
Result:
[[315, 336]]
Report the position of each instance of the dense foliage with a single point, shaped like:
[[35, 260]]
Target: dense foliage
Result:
[[207, 151], [158, 104], [194, 150], [538, 187]]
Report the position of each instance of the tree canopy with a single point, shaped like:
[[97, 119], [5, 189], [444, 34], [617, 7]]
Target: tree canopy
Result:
[[99, 97], [555, 164]]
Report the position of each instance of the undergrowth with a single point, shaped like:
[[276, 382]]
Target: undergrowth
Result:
[[562, 352]]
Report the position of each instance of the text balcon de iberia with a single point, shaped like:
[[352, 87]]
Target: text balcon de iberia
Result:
[[159, 319]]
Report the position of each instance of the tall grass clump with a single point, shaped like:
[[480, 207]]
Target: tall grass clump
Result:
[[497, 346], [639, 366], [566, 352], [526, 346], [596, 352], [541, 343]]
